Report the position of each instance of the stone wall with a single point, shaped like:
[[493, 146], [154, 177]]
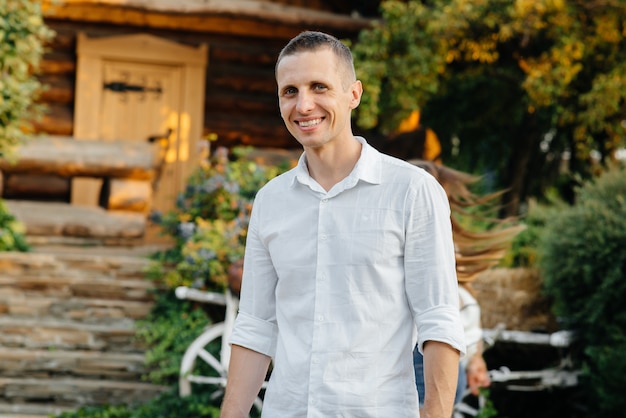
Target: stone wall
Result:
[[67, 325]]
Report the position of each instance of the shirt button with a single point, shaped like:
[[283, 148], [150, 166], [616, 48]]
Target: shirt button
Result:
[[320, 318], [324, 201], [322, 277], [323, 236]]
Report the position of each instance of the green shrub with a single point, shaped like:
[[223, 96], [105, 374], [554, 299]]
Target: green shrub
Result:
[[22, 38], [583, 260], [11, 232], [209, 228], [167, 405], [524, 246], [169, 329], [210, 222]]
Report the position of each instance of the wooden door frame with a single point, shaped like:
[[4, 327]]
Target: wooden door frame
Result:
[[149, 49]]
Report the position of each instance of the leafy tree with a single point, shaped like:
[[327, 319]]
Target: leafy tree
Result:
[[22, 38], [509, 86]]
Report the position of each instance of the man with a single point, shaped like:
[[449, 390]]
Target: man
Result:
[[346, 255]]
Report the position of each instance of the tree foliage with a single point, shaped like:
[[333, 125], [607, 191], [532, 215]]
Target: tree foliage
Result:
[[22, 38], [509, 86], [583, 260]]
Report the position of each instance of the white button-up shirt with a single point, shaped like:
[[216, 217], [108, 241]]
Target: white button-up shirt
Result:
[[336, 283]]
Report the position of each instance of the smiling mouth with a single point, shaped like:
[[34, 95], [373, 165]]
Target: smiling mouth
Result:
[[309, 123]]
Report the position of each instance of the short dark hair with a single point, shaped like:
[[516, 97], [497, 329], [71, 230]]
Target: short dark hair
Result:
[[313, 41]]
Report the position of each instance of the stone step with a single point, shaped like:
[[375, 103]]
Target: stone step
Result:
[[58, 334], [67, 329], [76, 263], [65, 286], [30, 410], [71, 393], [19, 362], [65, 283], [64, 220], [22, 303]]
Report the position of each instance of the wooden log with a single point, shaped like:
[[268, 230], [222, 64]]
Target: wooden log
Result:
[[57, 63], [247, 55], [249, 103], [69, 157], [57, 89], [127, 195], [41, 187], [261, 19], [233, 81], [58, 120], [63, 40]]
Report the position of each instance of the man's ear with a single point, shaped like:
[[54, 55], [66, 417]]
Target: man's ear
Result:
[[357, 91]]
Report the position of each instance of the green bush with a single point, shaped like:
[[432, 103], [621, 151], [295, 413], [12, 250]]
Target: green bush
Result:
[[209, 228], [22, 38], [11, 232], [167, 405], [168, 330], [210, 222], [583, 261], [524, 246]]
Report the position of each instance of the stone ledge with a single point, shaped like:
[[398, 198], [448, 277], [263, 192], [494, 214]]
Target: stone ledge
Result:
[[23, 410], [62, 219], [70, 392], [23, 304], [18, 362], [67, 335], [68, 287]]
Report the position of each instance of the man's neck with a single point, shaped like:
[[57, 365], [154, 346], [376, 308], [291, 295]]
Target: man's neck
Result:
[[330, 165]]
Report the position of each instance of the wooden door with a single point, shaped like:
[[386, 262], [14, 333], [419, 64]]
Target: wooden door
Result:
[[142, 101], [135, 87]]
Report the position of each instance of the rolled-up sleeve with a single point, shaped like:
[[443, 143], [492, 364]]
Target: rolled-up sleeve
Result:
[[430, 266], [255, 326], [255, 334]]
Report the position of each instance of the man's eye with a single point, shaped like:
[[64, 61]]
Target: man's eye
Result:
[[289, 91], [320, 87]]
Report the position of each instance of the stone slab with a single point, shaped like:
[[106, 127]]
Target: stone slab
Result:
[[63, 219]]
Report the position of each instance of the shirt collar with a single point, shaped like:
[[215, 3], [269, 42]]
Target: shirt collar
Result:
[[367, 168]]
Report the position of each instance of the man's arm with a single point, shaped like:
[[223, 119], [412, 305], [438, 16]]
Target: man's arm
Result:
[[441, 369], [246, 373]]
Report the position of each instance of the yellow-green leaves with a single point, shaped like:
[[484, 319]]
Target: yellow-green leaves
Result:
[[22, 38]]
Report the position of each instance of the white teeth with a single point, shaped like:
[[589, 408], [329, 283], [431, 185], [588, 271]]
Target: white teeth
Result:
[[308, 123]]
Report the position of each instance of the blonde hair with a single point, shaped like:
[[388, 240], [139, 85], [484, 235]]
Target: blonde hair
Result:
[[475, 251]]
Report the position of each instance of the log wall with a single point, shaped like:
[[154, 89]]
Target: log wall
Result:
[[241, 106]]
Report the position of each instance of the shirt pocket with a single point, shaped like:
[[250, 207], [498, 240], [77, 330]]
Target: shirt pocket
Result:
[[372, 236]]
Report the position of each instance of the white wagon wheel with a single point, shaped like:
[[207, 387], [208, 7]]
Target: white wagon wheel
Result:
[[197, 350], [219, 332]]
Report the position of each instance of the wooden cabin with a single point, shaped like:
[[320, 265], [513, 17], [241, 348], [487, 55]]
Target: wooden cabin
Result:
[[166, 76]]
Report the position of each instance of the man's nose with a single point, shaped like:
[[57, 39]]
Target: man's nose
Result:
[[305, 102]]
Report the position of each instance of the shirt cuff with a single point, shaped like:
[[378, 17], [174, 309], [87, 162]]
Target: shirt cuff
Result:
[[255, 334], [441, 324]]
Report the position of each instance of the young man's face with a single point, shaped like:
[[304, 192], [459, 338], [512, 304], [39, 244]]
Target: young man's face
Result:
[[316, 95]]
